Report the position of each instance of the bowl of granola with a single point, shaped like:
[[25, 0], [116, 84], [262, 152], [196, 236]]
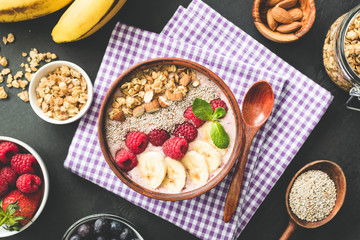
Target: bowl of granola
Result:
[[170, 128], [60, 92]]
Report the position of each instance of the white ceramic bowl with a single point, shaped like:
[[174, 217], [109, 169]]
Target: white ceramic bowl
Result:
[[45, 184], [45, 70]]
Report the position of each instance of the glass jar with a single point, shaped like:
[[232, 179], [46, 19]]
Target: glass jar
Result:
[[341, 52]]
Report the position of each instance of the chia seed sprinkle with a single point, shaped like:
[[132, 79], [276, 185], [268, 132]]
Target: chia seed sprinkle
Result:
[[312, 196], [165, 118]]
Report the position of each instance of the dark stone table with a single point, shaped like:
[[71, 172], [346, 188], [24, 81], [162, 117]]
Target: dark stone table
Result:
[[335, 138]]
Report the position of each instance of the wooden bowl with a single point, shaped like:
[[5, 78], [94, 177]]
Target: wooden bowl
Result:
[[337, 175], [259, 16], [123, 175]]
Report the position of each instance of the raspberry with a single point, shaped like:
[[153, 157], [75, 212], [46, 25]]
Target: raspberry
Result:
[[186, 130], [24, 163], [3, 187], [28, 183], [9, 175], [136, 141], [175, 147], [218, 103], [191, 116], [7, 150], [125, 159], [157, 137]]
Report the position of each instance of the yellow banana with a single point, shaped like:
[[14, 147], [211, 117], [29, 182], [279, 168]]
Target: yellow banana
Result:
[[83, 18], [20, 10]]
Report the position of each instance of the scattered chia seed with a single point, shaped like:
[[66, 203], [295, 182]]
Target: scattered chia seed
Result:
[[312, 196], [165, 118]]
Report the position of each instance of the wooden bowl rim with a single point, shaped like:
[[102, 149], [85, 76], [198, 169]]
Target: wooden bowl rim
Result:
[[148, 192], [277, 36], [339, 199]]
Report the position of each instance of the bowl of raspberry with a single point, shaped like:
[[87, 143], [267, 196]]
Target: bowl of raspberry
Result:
[[170, 128], [24, 186]]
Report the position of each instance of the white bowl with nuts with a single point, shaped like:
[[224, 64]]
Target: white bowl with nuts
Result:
[[60, 92]]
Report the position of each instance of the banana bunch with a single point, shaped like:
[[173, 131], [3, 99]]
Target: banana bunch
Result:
[[202, 159], [80, 20]]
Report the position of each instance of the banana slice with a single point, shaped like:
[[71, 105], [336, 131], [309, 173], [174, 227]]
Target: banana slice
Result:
[[175, 177], [205, 132], [152, 167], [212, 156], [196, 166]]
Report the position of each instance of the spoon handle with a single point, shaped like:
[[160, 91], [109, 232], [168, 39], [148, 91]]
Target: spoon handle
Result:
[[235, 186], [288, 231]]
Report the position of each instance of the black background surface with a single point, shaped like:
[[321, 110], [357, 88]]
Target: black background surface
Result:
[[335, 138]]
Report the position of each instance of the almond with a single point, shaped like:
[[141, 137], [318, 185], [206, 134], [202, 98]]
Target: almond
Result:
[[148, 96], [196, 83], [152, 106], [271, 21], [163, 102], [288, 28], [272, 3], [119, 116], [184, 80], [281, 15], [296, 13], [287, 4], [175, 96], [138, 111]]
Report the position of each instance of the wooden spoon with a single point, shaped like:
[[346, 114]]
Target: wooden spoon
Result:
[[337, 175], [256, 108]]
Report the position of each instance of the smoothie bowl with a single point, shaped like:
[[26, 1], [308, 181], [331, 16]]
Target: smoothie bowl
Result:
[[170, 128]]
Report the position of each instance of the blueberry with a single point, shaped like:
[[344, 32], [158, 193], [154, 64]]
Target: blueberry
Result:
[[75, 237], [126, 234], [101, 238], [84, 231], [116, 228], [101, 226]]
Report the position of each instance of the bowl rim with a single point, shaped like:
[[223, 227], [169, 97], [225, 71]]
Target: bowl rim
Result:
[[99, 215], [161, 195], [277, 36], [43, 71], [45, 184]]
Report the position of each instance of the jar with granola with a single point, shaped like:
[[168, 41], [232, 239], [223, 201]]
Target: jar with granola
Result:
[[341, 52]]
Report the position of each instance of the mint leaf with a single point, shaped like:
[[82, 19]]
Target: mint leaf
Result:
[[219, 136], [202, 109], [219, 112]]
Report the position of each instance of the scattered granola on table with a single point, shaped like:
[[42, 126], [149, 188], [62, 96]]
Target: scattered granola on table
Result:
[[62, 93], [10, 38], [3, 94], [24, 95]]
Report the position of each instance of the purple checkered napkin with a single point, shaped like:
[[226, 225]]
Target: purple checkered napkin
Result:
[[127, 46], [301, 106]]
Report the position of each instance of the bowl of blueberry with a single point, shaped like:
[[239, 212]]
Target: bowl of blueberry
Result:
[[102, 227]]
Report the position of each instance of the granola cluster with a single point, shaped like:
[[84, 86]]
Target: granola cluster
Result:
[[62, 93], [152, 88]]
